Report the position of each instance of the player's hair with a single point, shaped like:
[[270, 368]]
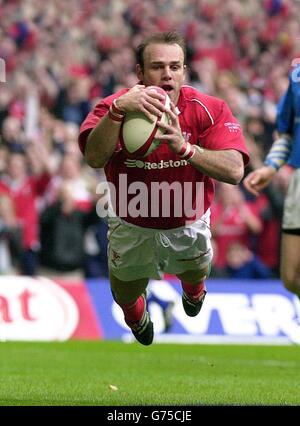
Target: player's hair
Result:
[[170, 37]]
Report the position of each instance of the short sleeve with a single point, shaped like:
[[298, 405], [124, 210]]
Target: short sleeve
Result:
[[95, 116], [225, 132], [90, 122]]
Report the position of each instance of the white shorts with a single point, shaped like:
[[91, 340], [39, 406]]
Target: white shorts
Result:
[[135, 252], [291, 213]]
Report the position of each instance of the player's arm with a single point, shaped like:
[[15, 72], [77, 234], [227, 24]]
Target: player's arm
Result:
[[277, 157], [223, 165], [103, 139], [279, 152]]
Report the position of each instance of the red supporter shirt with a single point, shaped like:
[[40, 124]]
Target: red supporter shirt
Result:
[[25, 196], [231, 229], [204, 120], [268, 241]]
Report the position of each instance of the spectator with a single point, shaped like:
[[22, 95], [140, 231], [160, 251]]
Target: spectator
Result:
[[63, 228], [24, 190], [10, 237], [70, 171], [242, 263], [232, 219], [13, 136], [96, 244], [72, 103]]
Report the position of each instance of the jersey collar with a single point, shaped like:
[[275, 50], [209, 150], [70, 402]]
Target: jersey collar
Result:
[[181, 104]]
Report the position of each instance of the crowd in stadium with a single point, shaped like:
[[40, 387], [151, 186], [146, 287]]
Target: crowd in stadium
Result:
[[61, 57]]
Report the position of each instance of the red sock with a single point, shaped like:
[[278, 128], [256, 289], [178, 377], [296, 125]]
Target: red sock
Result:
[[133, 311], [193, 291]]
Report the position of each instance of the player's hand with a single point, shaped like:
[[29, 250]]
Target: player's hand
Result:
[[258, 179], [139, 98], [172, 131]]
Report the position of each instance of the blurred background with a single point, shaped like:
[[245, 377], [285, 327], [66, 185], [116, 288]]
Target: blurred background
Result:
[[62, 57]]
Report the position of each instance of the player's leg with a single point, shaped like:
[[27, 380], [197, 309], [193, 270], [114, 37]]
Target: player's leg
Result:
[[131, 297], [290, 240], [131, 260], [290, 243], [127, 291], [193, 253], [189, 257], [290, 262], [194, 289]]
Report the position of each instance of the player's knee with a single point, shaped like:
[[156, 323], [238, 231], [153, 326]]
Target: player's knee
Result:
[[195, 276], [127, 291], [118, 290]]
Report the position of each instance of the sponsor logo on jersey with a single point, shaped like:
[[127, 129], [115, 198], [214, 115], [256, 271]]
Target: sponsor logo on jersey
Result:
[[232, 127], [148, 165]]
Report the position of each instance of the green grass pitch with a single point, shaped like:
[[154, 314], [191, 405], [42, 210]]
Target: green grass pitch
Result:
[[107, 373]]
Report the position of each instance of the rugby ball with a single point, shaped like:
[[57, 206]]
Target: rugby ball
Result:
[[138, 133]]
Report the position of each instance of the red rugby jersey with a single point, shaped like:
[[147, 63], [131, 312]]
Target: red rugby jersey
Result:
[[204, 120]]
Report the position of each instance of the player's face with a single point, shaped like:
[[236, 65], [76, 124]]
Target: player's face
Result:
[[163, 67]]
